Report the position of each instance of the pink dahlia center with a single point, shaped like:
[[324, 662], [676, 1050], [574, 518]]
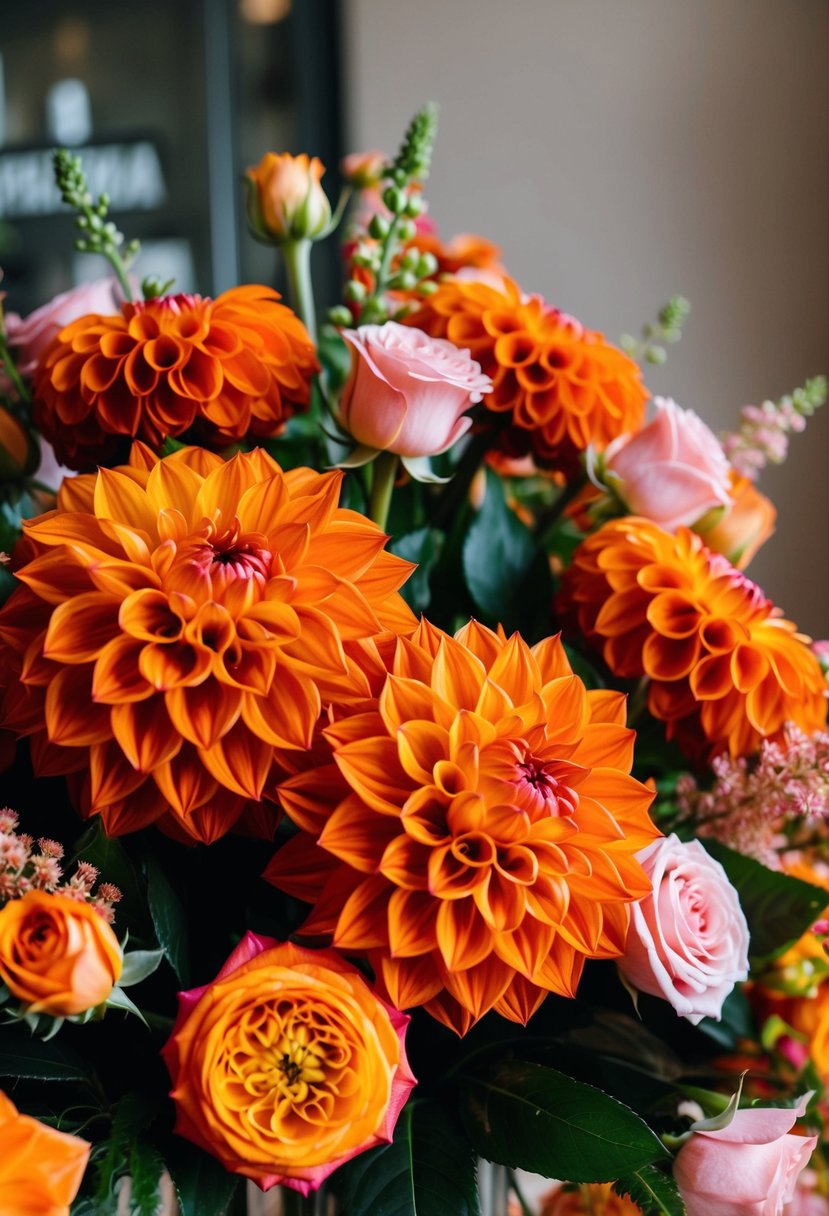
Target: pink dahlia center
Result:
[[539, 791], [233, 555]]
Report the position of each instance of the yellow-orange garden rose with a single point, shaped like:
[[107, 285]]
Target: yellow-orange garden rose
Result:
[[285, 199], [57, 955], [589, 1199], [180, 620], [220, 369], [287, 1065], [41, 1169], [744, 527], [474, 833], [725, 668], [559, 386]]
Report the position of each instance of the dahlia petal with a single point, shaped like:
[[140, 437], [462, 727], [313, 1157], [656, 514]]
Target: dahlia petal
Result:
[[51, 760], [462, 936], [478, 988], [111, 776], [666, 658], [239, 761], [287, 715], [362, 923], [184, 782], [404, 861], [515, 670], [116, 677], [749, 667], [300, 868], [420, 745], [526, 947], [604, 746], [356, 838], [137, 810], [80, 628], [457, 675], [608, 706], [674, 615], [117, 497], [551, 659], [209, 822], [520, 1001], [309, 798], [262, 503], [403, 699], [172, 665], [146, 614], [173, 485], [72, 720], [411, 918], [142, 730], [501, 903], [711, 678], [408, 982], [204, 713], [54, 577], [561, 970], [372, 768], [619, 610]]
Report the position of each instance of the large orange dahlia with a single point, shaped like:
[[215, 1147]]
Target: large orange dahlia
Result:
[[474, 831], [222, 368], [563, 386], [725, 668], [180, 620]]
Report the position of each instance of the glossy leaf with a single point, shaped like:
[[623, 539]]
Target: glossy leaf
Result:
[[21, 1055], [428, 1170], [424, 547], [169, 919], [653, 1191], [535, 1118], [203, 1186]]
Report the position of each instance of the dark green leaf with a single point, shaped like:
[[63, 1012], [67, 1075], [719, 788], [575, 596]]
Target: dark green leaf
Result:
[[203, 1186], [424, 547], [138, 965], [428, 1170], [133, 1113], [146, 1168], [778, 908], [21, 1055], [655, 1192], [530, 1117], [736, 1021], [498, 556], [169, 919]]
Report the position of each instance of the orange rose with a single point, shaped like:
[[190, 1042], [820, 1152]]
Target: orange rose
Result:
[[285, 199], [745, 526], [57, 955], [40, 1168], [287, 1065]]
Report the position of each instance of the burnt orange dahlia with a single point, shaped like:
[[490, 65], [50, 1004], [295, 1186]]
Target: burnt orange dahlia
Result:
[[559, 386], [474, 832], [222, 369], [180, 621], [725, 668]]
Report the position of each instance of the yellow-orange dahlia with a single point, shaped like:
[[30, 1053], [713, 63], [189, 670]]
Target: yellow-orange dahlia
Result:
[[725, 668], [180, 620], [563, 386], [220, 369], [474, 832]]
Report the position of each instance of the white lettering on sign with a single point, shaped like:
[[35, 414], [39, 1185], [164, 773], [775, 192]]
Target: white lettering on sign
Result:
[[129, 173]]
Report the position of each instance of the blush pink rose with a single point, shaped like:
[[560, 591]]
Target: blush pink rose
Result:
[[30, 336], [688, 939], [407, 392], [672, 471], [749, 1168]]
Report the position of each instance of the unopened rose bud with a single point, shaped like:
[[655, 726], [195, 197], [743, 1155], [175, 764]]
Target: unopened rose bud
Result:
[[364, 169], [285, 200]]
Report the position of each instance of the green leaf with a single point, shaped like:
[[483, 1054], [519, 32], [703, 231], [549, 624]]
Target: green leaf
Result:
[[655, 1192], [146, 1168], [119, 1000], [138, 965], [203, 1187], [428, 1170], [24, 1056], [133, 1113], [424, 547], [498, 556], [736, 1021], [778, 908], [169, 919], [534, 1118]]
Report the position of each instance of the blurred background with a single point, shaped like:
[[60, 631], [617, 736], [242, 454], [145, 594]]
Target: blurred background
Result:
[[618, 151]]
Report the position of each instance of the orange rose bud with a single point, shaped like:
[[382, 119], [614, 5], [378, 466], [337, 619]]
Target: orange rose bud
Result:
[[285, 199], [364, 169], [57, 955], [287, 1065], [15, 446], [744, 527], [40, 1168]]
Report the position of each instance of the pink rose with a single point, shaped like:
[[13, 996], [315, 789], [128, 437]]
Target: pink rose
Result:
[[749, 1168], [31, 335], [407, 392], [688, 939], [672, 471]]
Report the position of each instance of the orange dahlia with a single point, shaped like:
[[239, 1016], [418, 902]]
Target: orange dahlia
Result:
[[219, 368], [474, 832], [180, 620], [725, 668], [562, 386]]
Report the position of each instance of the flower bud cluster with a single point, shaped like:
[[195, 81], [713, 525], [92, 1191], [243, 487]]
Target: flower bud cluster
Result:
[[763, 436], [27, 864], [750, 805]]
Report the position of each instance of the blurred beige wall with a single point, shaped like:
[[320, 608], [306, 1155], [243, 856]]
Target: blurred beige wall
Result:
[[623, 150]]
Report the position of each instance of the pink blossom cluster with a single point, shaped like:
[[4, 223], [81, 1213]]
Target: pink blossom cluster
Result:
[[27, 865], [763, 437], [751, 802]]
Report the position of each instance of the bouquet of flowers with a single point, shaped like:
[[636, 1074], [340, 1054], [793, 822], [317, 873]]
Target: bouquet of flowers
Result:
[[413, 805]]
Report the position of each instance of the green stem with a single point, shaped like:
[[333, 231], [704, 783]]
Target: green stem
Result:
[[297, 255], [120, 274], [10, 368], [384, 471], [526, 1210]]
